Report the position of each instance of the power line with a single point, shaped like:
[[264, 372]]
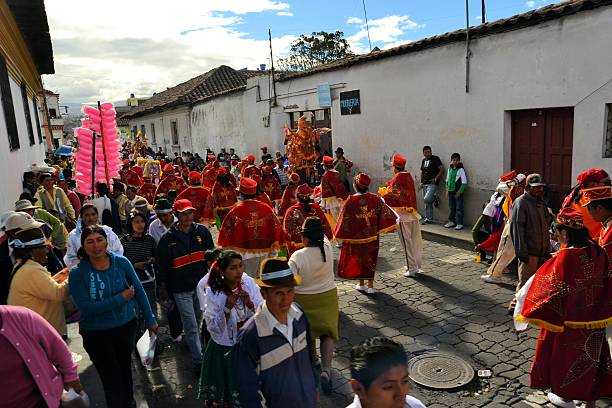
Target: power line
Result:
[[365, 14]]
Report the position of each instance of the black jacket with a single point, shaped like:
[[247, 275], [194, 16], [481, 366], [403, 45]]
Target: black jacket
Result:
[[180, 257]]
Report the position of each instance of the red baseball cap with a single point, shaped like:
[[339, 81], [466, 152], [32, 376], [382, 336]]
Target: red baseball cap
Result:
[[182, 205]]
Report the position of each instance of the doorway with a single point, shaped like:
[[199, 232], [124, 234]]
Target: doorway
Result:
[[322, 119], [542, 142]]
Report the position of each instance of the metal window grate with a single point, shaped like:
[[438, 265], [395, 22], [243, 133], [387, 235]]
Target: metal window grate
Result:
[[608, 142], [26, 111], [8, 107], [36, 113]]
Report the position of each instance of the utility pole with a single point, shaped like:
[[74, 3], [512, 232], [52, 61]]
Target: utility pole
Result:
[[272, 68], [467, 46], [483, 13]]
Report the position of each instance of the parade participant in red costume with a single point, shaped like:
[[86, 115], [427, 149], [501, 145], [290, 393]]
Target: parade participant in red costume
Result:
[[598, 201], [200, 198], [333, 190], [251, 229], [132, 178], [400, 195], [224, 196], [569, 299], [209, 176], [250, 170], [262, 195], [147, 190], [123, 173], [588, 179], [270, 185], [362, 218], [295, 216], [289, 198], [170, 181]]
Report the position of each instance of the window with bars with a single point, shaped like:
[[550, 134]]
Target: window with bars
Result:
[[40, 138], [8, 107], [26, 111], [608, 140], [154, 139], [174, 133]]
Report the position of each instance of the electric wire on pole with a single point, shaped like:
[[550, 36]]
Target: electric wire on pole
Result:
[[365, 14]]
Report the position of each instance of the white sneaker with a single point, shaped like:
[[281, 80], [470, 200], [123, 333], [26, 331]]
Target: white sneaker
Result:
[[449, 224], [420, 271], [459, 227], [490, 279], [370, 291], [410, 273], [558, 401], [360, 288]]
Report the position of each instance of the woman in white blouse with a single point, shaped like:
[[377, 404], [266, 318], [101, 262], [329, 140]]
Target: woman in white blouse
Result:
[[231, 298]]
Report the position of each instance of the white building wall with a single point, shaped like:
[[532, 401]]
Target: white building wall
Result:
[[14, 164], [163, 130], [419, 99]]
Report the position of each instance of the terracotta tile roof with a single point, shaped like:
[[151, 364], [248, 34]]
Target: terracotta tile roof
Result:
[[216, 82], [533, 17]]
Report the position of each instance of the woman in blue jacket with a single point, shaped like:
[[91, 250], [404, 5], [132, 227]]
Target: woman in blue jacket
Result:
[[105, 288]]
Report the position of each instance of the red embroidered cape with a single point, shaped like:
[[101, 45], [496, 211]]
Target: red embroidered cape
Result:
[[251, 226], [249, 170], [133, 179], [224, 197], [332, 186], [401, 193], [147, 191], [171, 182], [200, 198], [569, 299], [292, 224], [572, 289], [272, 187], [288, 199], [362, 218], [123, 174]]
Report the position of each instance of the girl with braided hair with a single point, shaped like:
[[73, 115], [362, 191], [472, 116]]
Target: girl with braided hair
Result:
[[317, 294]]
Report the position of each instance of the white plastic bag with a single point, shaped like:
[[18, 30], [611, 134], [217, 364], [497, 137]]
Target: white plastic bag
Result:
[[146, 347], [70, 399], [520, 301], [609, 338]]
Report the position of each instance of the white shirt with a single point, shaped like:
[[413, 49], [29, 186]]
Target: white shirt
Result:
[[157, 229], [101, 204], [411, 402], [317, 276], [74, 243], [285, 329], [224, 331]]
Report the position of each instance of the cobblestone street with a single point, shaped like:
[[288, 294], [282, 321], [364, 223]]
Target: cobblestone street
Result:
[[447, 309]]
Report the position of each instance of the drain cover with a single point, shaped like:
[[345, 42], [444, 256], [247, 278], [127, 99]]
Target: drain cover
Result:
[[440, 371]]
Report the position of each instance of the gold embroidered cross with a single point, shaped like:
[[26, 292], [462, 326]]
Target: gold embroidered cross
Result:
[[366, 215], [255, 223]]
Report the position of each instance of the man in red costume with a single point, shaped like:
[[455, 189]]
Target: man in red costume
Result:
[[598, 202], [123, 173], [251, 229], [295, 216], [588, 179], [270, 185], [362, 218], [147, 190], [569, 298], [201, 199], [224, 196], [333, 190], [209, 176], [289, 198], [400, 195], [170, 181], [261, 194]]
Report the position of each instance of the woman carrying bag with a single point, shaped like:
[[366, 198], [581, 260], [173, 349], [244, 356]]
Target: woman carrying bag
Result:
[[105, 287]]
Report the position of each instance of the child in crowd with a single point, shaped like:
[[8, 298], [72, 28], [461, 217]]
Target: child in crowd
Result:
[[456, 183], [379, 371]]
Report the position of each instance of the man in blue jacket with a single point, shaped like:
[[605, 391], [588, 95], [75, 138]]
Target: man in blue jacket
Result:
[[274, 353]]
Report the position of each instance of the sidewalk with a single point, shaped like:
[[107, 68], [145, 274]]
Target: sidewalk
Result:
[[448, 236]]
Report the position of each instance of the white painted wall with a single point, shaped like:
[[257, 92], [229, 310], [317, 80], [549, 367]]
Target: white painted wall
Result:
[[13, 164], [163, 131], [419, 99]]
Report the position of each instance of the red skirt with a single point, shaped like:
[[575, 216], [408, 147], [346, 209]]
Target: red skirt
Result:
[[358, 261], [574, 364]]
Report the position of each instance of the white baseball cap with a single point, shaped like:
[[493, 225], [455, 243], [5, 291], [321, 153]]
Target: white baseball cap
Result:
[[20, 220]]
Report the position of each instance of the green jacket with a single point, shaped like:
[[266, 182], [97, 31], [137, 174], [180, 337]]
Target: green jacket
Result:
[[59, 236]]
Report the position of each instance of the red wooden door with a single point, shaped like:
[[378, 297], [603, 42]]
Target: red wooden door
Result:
[[542, 143]]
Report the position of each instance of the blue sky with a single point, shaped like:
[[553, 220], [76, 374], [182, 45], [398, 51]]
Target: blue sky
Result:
[[145, 46]]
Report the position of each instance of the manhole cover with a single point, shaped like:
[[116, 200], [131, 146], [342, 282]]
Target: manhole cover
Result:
[[440, 371]]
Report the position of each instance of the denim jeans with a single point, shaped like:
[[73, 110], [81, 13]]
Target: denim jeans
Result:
[[455, 205], [189, 309], [429, 195]]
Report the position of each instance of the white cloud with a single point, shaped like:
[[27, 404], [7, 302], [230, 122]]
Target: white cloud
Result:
[[479, 18], [530, 4], [285, 13], [383, 31], [354, 20], [144, 47]]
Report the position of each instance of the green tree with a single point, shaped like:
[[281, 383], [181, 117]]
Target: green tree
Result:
[[321, 47]]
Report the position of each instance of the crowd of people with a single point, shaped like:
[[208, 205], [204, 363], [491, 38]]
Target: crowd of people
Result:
[[251, 306]]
